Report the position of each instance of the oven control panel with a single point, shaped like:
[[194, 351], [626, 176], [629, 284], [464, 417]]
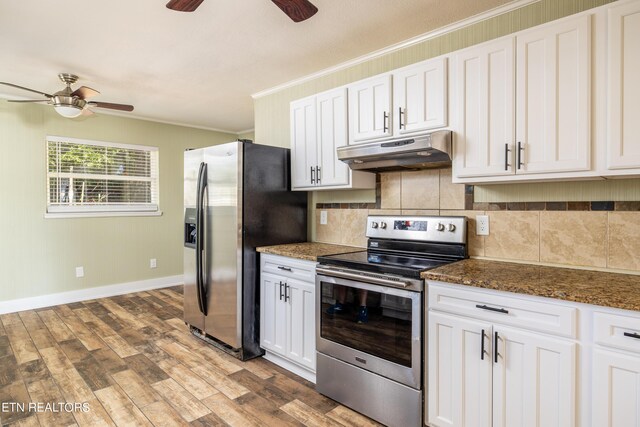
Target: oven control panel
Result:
[[445, 229]]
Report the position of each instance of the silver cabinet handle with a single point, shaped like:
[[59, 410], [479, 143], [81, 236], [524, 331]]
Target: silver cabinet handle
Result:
[[313, 177], [495, 348], [385, 118], [400, 124], [318, 174], [506, 156], [520, 150], [281, 291], [482, 352], [287, 297]]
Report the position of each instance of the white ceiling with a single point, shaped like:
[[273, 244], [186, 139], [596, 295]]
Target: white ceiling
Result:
[[199, 68]]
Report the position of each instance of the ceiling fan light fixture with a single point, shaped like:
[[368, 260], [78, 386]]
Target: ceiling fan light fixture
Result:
[[68, 111]]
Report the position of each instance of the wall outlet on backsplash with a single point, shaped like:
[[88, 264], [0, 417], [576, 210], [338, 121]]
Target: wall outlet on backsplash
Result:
[[482, 225], [323, 217]]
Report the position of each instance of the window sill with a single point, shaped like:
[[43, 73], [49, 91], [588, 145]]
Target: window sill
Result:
[[61, 215]]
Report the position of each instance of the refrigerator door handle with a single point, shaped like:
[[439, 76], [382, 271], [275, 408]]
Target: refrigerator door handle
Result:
[[200, 243]]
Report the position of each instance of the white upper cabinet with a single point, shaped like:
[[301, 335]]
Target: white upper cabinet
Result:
[[553, 97], [624, 86], [304, 146], [370, 108], [332, 133], [406, 101], [420, 97], [318, 129], [484, 109]]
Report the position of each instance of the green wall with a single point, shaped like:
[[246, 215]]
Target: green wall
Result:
[[38, 256]]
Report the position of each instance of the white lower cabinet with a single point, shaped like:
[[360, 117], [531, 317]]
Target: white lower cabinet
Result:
[[485, 373], [616, 389], [287, 313]]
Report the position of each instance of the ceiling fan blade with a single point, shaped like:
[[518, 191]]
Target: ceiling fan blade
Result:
[[26, 88], [85, 92], [27, 100], [184, 5], [111, 106], [297, 10]]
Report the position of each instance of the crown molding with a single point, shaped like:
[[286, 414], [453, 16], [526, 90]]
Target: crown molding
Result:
[[491, 13]]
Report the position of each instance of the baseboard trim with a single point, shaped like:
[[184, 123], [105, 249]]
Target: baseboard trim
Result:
[[30, 303], [290, 366]]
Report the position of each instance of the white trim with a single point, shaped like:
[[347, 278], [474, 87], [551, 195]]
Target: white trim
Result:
[[102, 214], [7, 96], [491, 13], [31, 303], [290, 366], [247, 131], [97, 143]]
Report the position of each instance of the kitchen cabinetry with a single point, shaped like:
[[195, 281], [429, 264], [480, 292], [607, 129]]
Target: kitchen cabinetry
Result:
[[318, 128], [623, 86], [549, 128], [370, 108], [409, 100], [484, 369], [616, 370], [287, 313]]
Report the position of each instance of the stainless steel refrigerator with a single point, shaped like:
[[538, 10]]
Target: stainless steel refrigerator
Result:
[[236, 197]]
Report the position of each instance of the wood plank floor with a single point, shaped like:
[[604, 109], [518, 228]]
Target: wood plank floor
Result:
[[132, 359]]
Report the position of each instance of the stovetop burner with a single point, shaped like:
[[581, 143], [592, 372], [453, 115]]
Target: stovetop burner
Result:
[[406, 246]]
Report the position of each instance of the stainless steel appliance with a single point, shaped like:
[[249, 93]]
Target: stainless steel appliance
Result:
[[372, 362], [426, 151], [236, 198]]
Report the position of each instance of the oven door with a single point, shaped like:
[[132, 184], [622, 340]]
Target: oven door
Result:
[[388, 344]]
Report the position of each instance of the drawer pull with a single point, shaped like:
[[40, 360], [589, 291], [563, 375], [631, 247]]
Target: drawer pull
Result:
[[498, 310], [285, 268], [632, 335]]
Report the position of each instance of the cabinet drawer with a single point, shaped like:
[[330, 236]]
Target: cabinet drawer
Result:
[[552, 318], [610, 329], [288, 267]]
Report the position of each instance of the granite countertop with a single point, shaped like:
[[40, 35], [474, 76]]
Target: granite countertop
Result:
[[309, 251], [585, 286]]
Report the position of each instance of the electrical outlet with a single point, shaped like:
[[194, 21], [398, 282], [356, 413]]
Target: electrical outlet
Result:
[[153, 263], [79, 271], [482, 225], [323, 217]]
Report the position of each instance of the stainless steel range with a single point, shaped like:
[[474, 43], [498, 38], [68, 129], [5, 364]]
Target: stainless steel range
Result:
[[370, 311]]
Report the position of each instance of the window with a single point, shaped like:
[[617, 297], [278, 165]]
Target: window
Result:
[[93, 177]]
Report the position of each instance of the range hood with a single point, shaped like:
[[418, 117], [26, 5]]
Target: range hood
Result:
[[425, 151]]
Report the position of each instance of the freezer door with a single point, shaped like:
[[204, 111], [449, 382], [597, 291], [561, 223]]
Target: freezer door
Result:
[[192, 314], [223, 240]]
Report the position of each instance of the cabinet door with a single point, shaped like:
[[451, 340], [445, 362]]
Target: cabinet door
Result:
[[304, 146], [301, 321], [273, 316], [624, 86], [616, 389], [420, 97], [370, 109], [485, 115], [459, 377], [534, 380], [332, 133], [553, 102]]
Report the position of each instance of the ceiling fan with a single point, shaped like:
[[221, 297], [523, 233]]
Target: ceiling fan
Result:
[[71, 103], [297, 10]]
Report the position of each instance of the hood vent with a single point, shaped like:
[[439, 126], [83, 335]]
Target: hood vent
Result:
[[426, 151]]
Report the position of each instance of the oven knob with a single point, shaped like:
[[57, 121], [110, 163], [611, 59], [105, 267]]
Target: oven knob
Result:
[[374, 224], [452, 228], [440, 227], [383, 225]]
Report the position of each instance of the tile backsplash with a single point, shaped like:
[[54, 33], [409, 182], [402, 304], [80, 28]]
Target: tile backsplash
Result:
[[557, 233]]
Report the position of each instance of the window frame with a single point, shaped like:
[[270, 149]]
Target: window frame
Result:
[[97, 210]]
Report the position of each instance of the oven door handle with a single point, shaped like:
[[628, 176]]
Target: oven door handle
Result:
[[361, 277]]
